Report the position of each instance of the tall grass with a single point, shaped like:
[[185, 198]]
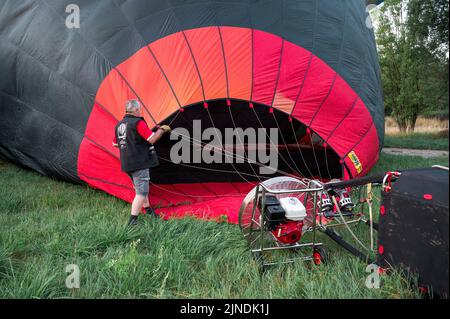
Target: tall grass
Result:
[[423, 125], [47, 224], [430, 133]]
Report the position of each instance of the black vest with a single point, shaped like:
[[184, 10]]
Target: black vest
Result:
[[135, 152]]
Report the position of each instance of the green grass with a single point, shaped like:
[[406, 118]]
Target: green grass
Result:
[[389, 162], [426, 141], [47, 224]]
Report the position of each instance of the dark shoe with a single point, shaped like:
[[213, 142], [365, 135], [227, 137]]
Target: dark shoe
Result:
[[150, 212], [132, 221]]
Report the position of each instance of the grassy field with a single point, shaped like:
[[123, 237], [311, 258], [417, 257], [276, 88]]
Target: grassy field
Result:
[[425, 141], [429, 134], [423, 125], [47, 224]]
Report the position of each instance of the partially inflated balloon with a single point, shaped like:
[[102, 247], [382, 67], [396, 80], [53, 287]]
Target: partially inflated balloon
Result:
[[308, 69]]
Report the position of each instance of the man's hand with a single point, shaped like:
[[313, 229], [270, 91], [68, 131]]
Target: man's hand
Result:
[[166, 128], [159, 133]]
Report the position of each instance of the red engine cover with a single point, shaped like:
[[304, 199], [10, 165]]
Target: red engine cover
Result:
[[289, 232]]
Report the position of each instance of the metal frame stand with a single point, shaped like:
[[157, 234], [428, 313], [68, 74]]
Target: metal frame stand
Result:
[[313, 191], [262, 191]]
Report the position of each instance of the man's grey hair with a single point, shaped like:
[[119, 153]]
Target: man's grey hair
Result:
[[132, 106]]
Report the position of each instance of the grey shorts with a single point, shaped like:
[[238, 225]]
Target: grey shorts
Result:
[[141, 181]]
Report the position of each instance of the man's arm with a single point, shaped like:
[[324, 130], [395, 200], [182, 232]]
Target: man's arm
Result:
[[148, 135], [156, 136]]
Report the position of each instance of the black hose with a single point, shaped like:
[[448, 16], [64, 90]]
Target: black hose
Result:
[[356, 182]]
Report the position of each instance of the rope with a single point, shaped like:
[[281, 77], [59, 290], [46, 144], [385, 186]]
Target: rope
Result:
[[284, 141], [234, 156], [347, 226], [369, 203], [300, 149], [314, 154], [240, 141], [326, 161], [271, 142]]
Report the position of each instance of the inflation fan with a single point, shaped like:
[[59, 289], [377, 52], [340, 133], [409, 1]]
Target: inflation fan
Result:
[[285, 213]]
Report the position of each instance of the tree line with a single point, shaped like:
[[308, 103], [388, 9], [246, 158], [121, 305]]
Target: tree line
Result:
[[412, 40]]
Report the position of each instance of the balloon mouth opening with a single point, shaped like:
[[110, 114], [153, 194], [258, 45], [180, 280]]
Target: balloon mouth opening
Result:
[[230, 140]]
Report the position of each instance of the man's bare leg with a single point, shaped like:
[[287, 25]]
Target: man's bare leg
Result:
[[146, 203], [148, 209], [137, 204]]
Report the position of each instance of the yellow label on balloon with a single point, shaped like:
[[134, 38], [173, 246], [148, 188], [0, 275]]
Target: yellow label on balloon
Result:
[[355, 160]]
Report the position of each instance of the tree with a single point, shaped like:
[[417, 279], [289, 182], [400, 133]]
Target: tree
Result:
[[399, 69], [429, 25], [410, 45]]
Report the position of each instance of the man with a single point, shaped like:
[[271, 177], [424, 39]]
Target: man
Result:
[[135, 141]]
